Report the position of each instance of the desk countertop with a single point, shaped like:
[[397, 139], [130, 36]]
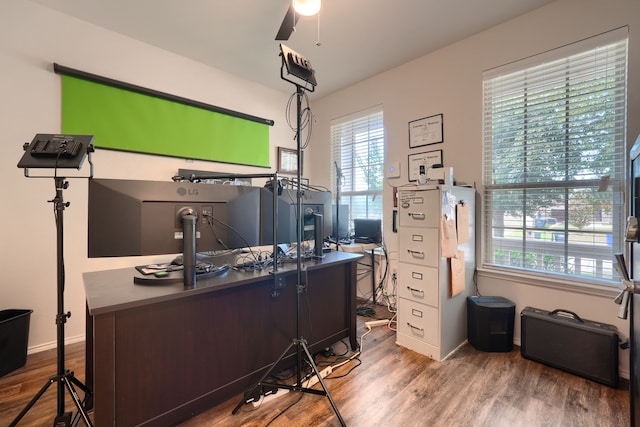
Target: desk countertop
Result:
[[112, 290], [359, 247]]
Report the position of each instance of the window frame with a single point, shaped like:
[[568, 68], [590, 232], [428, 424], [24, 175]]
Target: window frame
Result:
[[618, 182], [370, 121]]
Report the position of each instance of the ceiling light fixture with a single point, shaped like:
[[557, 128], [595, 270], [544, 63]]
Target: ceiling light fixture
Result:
[[306, 7]]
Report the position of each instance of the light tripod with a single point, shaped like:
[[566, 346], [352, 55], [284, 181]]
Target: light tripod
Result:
[[289, 60], [63, 378], [67, 151]]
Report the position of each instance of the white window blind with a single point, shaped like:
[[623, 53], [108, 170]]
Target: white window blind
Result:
[[357, 143], [554, 160]]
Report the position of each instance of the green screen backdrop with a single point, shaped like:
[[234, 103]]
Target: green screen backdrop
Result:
[[126, 120]]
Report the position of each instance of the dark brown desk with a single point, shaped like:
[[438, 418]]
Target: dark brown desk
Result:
[[157, 355]]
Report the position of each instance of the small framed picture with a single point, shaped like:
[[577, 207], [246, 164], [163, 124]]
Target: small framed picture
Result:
[[288, 160]]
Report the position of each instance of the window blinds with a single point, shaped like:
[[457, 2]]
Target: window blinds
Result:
[[560, 120], [554, 158], [358, 151]]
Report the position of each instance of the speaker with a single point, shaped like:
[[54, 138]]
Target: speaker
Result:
[[490, 323]]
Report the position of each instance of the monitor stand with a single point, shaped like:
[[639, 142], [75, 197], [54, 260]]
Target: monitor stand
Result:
[[191, 269]]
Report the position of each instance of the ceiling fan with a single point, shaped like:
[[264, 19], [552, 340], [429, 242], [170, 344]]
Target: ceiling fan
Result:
[[296, 8]]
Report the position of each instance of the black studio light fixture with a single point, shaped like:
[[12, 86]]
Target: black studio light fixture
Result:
[[298, 66]]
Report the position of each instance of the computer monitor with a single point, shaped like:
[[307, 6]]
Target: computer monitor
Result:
[[133, 218], [367, 230], [313, 203], [251, 214]]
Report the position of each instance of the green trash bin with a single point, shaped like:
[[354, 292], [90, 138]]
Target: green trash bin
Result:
[[14, 337]]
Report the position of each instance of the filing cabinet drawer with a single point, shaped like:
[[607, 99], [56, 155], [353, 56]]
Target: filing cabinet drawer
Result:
[[418, 283], [419, 208], [419, 246], [418, 321]]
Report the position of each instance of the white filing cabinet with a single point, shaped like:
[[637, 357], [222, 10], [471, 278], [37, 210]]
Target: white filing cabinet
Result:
[[430, 320]]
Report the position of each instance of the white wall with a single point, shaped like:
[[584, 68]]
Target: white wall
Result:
[[449, 82], [32, 38]]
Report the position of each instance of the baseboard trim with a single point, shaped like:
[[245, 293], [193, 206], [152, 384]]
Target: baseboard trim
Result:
[[53, 344]]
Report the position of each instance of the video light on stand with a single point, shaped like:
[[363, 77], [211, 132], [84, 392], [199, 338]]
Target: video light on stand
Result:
[[56, 151], [298, 66]]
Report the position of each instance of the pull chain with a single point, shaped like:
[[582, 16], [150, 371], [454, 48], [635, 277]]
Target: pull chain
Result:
[[318, 39]]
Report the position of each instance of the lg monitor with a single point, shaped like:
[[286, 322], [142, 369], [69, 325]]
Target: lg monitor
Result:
[[133, 218]]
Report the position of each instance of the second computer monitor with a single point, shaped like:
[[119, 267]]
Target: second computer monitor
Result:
[[367, 230]]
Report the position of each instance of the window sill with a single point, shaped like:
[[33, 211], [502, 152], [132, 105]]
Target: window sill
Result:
[[532, 279]]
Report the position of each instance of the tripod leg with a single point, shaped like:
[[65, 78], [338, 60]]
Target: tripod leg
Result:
[[87, 402], [78, 383], [259, 383], [74, 395], [33, 401], [324, 387]]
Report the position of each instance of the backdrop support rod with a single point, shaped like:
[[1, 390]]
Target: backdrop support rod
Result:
[[60, 69]]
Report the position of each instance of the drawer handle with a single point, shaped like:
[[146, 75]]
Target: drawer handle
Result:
[[415, 290], [415, 253], [417, 215], [415, 327]]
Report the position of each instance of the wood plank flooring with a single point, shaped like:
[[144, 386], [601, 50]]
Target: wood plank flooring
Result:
[[392, 386]]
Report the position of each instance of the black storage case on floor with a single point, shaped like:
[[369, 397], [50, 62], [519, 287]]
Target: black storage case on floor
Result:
[[490, 323], [563, 340], [14, 337]]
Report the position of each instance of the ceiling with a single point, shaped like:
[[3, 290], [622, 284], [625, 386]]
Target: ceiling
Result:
[[350, 41]]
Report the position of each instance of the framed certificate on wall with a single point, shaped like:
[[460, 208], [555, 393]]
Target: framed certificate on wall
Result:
[[426, 159], [426, 131]]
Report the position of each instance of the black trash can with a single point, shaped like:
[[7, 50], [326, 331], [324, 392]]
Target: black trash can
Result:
[[14, 338], [490, 323]]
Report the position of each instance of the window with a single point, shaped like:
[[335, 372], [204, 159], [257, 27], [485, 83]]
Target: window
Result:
[[357, 143], [554, 161]]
